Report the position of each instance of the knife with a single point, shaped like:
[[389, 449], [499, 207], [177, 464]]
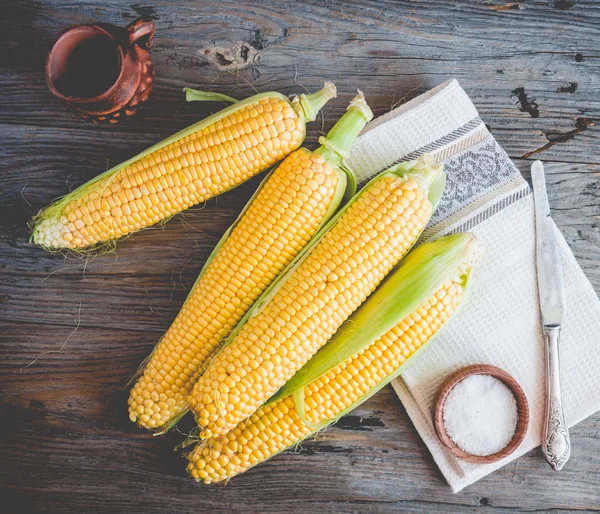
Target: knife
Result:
[[556, 443]]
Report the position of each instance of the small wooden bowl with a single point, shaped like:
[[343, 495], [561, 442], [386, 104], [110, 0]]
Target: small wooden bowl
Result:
[[522, 407]]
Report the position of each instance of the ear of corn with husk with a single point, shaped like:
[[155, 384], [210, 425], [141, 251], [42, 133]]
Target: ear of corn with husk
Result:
[[377, 344], [293, 202], [304, 308], [199, 162]]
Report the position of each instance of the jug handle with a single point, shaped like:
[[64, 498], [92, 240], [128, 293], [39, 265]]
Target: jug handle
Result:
[[140, 29]]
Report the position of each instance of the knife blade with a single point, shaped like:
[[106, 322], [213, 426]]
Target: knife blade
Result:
[[556, 443], [549, 269]]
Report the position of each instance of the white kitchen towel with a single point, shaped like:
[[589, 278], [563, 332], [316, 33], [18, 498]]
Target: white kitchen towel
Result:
[[500, 323]]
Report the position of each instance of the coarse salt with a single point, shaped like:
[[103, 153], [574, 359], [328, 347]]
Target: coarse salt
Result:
[[480, 415]]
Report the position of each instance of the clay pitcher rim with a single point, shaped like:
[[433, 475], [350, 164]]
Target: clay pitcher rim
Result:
[[105, 94]]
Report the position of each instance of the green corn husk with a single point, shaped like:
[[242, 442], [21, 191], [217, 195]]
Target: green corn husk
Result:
[[195, 95]]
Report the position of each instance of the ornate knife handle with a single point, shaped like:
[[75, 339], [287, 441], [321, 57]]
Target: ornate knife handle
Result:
[[556, 444]]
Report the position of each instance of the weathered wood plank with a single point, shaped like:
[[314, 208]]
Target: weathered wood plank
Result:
[[65, 442], [357, 467], [533, 73]]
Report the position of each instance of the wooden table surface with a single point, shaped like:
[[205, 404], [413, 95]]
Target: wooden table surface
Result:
[[74, 330]]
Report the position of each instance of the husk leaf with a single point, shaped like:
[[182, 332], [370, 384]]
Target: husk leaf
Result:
[[194, 95]]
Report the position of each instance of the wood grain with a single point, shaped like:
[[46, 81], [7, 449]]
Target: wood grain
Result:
[[73, 331]]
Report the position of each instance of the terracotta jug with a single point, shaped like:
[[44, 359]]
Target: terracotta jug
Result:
[[102, 72]]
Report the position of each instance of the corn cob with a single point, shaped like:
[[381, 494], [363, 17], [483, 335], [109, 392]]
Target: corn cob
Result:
[[294, 201], [365, 241], [199, 162], [373, 354]]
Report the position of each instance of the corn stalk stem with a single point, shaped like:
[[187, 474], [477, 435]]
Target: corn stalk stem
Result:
[[308, 106], [336, 145]]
